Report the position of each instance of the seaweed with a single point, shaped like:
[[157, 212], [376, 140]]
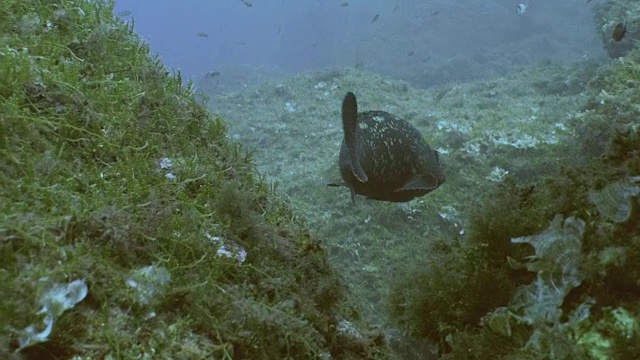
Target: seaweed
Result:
[[616, 200], [538, 305], [556, 262]]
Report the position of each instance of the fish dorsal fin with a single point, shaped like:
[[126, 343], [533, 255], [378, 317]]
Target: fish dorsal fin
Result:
[[349, 125]]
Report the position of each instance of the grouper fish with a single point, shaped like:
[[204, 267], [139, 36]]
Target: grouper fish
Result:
[[383, 157]]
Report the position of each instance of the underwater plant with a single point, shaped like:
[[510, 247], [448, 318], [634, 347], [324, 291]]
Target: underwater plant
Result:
[[616, 200], [55, 301], [538, 304]]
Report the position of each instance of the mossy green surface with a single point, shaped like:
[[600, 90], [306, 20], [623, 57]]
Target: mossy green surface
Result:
[[606, 130], [605, 150], [87, 115]]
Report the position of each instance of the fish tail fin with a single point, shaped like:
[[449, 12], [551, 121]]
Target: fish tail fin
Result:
[[349, 125]]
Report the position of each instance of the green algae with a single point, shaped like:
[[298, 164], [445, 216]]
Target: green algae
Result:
[[87, 117]]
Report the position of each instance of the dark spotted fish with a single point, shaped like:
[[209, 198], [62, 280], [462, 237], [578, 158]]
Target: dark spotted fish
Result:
[[619, 31], [384, 157]]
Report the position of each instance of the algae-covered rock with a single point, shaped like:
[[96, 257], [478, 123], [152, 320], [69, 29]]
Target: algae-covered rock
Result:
[[615, 336], [613, 15], [87, 112]]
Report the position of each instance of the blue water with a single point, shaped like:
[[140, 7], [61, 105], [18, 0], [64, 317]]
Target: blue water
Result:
[[410, 40]]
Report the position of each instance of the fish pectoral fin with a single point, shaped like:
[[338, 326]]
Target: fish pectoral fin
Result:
[[353, 193], [337, 184], [357, 171], [420, 183]]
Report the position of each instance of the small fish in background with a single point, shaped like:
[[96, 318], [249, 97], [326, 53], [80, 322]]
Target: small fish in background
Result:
[[521, 9], [124, 13], [411, 53], [375, 18], [427, 58], [395, 9], [441, 94], [344, 4], [619, 31], [247, 2], [203, 35], [279, 31], [212, 74]]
